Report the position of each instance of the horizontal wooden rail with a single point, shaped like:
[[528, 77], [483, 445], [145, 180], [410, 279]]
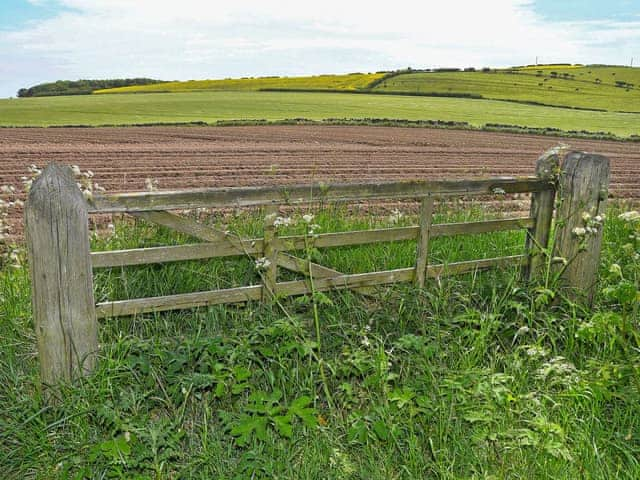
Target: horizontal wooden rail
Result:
[[296, 287], [223, 248], [298, 194]]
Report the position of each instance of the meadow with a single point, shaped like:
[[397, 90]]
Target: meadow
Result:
[[351, 81], [582, 87], [479, 376], [212, 107]]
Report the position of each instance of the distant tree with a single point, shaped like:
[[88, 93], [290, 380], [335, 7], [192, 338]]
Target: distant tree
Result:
[[80, 87]]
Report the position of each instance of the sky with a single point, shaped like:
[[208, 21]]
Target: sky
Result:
[[48, 40]]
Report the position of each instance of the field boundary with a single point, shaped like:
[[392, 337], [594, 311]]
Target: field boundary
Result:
[[368, 122], [56, 220]]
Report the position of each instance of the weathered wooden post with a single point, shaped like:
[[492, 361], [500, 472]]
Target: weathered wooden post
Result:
[[542, 205], [270, 273], [57, 235], [426, 218], [583, 191]]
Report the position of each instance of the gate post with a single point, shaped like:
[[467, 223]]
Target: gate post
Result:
[[583, 191], [542, 205], [57, 234]]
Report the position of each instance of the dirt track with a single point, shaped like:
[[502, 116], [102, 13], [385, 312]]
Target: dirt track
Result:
[[179, 157]]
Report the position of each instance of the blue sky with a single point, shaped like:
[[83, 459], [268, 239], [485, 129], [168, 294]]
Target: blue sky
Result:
[[573, 10], [46, 40]]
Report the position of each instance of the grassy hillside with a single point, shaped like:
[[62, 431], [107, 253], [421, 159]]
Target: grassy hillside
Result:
[[216, 106], [352, 81], [606, 88]]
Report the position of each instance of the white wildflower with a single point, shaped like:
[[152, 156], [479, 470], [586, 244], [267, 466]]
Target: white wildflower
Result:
[[536, 351], [557, 367], [150, 185], [630, 216], [76, 170], [586, 216], [396, 216], [262, 263], [307, 218], [282, 222], [579, 231]]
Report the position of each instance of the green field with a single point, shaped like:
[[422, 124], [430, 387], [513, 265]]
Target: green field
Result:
[[352, 81], [211, 107], [572, 87]]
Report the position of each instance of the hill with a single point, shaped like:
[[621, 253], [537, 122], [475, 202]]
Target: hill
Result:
[[351, 81], [586, 87]]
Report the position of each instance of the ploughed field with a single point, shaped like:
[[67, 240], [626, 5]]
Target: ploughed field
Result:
[[183, 157]]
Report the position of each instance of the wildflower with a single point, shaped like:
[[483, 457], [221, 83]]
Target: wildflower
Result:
[[630, 216], [579, 231], [76, 170], [557, 367], [395, 216], [586, 216], [262, 263], [150, 185], [307, 218], [536, 351], [365, 341], [282, 222], [127, 436], [7, 189]]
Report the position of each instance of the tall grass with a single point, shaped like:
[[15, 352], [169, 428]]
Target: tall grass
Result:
[[477, 376]]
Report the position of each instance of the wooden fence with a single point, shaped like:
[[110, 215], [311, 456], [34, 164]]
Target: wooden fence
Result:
[[56, 219]]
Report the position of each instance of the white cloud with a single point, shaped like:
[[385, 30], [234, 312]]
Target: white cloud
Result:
[[209, 39]]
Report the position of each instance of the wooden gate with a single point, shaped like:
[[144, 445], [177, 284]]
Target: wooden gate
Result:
[[61, 262]]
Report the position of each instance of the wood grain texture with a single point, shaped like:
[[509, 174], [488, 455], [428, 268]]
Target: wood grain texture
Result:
[[297, 287], [426, 217], [583, 189], [57, 236], [542, 207], [232, 245], [300, 194]]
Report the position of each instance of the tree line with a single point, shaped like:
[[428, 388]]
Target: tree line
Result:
[[81, 87]]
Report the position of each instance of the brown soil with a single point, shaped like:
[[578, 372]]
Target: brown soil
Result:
[[182, 157]]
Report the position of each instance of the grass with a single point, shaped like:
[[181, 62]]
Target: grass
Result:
[[576, 87], [473, 377], [211, 107], [352, 81]]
